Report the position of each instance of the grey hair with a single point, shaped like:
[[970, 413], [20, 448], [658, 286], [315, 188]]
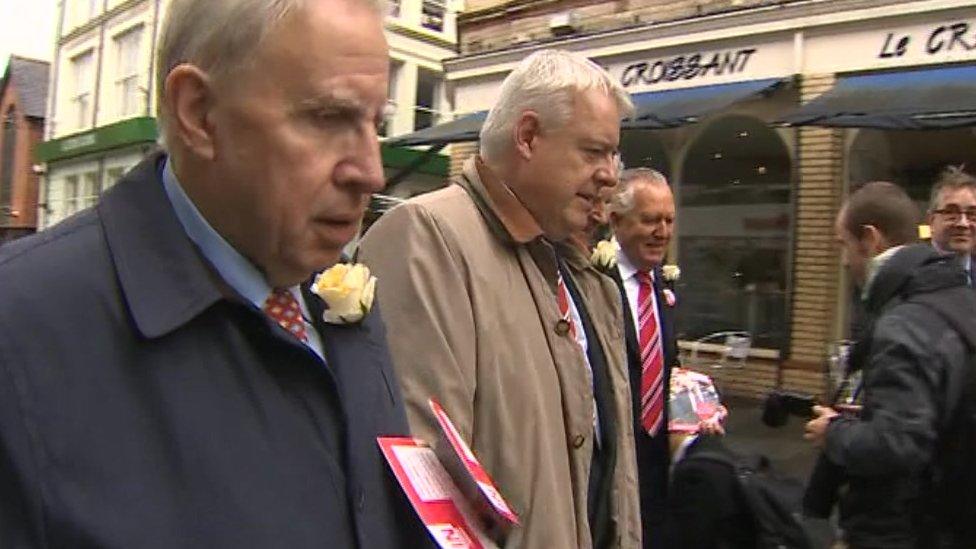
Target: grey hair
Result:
[[622, 200], [952, 178], [545, 82], [218, 36]]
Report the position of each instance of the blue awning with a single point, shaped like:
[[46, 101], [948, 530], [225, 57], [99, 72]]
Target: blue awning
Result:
[[461, 129], [654, 110], [905, 100], [673, 108]]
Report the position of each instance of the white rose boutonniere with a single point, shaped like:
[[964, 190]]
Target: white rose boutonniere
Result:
[[671, 273], [348, 290], [605, 255]]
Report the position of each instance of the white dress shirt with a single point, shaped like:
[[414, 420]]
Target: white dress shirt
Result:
[[628, 274]]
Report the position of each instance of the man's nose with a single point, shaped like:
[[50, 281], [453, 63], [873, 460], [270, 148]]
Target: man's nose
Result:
[[363, 165]]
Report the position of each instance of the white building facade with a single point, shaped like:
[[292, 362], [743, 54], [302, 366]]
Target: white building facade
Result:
[[101, 111]]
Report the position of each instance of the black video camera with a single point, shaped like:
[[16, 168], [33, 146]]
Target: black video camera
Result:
[[780, 405]]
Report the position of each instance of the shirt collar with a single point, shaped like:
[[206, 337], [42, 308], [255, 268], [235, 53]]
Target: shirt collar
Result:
[[499, 204], [235, 269], [627, 269], [874, 265]]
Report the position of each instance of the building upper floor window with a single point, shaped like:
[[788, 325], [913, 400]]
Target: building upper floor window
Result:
[[428, 88], [129, 96], [80, 12], [82, 72], [432, 14]]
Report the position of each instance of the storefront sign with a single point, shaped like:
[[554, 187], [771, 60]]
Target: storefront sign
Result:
[[958, 36], [113, 136], [693, 66], [926, 42], [74, 143]]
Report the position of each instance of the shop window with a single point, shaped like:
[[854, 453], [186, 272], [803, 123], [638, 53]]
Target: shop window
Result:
[[644, 149], [425, 114], [734, 219], [911, 159], [7, 160], [76, 192], [70, 196], [112, 176], [91, 187]]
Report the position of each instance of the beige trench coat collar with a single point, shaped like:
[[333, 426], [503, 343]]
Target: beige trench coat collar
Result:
[[507, 217]]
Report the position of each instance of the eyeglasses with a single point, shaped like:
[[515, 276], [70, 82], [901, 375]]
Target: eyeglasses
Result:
[[953, 214]]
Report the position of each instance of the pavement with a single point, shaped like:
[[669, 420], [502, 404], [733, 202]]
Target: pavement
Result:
[[784, 446]]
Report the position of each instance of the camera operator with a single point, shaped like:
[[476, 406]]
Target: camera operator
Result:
[[916, 353]]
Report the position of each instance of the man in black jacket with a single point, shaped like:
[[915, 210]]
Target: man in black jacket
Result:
[[915, 354]]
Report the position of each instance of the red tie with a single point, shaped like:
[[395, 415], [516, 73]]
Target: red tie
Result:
[[562, 298], [652, 359], [283, 308]]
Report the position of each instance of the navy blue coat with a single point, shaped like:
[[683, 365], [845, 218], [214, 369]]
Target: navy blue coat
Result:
[[143, 403], [653, 454]]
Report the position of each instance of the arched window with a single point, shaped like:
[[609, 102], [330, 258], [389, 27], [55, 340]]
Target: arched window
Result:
[[7, 159], [644, 149], [734, 219]]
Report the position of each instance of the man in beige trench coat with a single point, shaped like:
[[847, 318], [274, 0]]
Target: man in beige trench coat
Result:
[[508, 327]]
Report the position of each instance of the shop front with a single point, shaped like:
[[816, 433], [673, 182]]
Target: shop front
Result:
[[762, 122]]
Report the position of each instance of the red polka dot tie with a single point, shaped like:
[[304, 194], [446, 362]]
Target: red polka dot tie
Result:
[[283, 308]]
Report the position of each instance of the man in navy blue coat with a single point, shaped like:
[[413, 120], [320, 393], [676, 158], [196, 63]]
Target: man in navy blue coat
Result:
[[154, 391], [642, 218]]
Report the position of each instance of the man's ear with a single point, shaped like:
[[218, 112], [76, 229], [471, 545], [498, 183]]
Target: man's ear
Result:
[[873, 240], [526, 133], [189, 101]]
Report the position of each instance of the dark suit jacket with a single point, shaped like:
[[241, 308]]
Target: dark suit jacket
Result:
[[604, 460], [653, 456], [145, 404], [706, 508]]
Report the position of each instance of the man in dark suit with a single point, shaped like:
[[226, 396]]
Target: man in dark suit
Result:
[[642, 218], [952, 207], [167, 378]]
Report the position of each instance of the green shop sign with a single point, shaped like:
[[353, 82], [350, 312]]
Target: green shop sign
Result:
[[113, 136]]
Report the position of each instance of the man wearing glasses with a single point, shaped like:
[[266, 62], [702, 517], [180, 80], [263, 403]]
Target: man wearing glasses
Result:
[[952, 215]]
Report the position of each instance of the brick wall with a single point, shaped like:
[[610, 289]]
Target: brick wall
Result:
[[816, 262], [755, 378], [25, 181], [459, 153], [489, 25]]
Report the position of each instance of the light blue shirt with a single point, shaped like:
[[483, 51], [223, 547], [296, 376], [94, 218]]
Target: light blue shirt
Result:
[[236, 270]]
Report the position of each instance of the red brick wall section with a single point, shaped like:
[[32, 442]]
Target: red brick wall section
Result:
[[25, 181]]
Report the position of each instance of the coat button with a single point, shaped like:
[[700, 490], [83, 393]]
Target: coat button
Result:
[[578, 441], [562, 326]]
